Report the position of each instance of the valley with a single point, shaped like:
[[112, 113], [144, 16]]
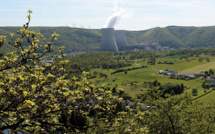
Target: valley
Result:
[[136, 77]]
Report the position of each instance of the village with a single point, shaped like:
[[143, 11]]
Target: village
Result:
[[208, 77]]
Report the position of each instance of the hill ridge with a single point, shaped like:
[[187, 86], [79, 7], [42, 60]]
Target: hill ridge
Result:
[[80, 39]]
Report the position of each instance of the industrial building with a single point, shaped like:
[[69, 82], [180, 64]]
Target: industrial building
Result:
[[120, 39], [108, 40], [116, 41]]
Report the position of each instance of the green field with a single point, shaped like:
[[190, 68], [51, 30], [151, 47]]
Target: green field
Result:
[[172, 57], [189, 65], [139, 76], [200, 92], [199, 68], [179, 65], [207, 98]]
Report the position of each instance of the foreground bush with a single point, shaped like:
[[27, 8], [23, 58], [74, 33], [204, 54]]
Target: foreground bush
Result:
[[36, 97]]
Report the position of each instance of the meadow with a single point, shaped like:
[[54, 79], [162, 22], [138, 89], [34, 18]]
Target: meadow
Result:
[[198, 68], [186, 65], [207, 98], [133, 81]]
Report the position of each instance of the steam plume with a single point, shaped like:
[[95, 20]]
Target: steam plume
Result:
[[115, 17]]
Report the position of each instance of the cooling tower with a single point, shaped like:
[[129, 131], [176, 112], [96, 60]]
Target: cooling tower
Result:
[[108, 40], [120, 39]]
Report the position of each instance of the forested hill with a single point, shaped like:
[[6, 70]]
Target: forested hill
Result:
[[177, 37], [73, 39], [76, 39]]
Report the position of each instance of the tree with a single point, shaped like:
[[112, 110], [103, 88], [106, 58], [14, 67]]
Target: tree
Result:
[[35, 97], [114, 90], [207, 59], [2, 39], [153, 60], [195, 92], [206, 72], [211, 71], [206, 85], [172, 93], [26, 88], [179, 115], [200, 59], [182, 88], [155, 83]]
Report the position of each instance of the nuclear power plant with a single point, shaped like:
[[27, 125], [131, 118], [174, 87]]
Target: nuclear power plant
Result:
[[112, 40], [108, 40], [120, 39]]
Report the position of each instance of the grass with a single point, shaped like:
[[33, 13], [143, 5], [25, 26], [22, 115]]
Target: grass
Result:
[[207, 98], [139, 76], [200, 92], [181, 65], [173, 57], [199, 68], [178, 65]]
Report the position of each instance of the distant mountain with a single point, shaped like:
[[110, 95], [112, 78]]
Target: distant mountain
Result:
[[77, 39]]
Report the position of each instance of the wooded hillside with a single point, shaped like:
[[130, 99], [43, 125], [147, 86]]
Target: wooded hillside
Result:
[[76, 39]]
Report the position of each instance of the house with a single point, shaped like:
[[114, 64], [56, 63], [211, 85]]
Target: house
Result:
[[132, 105], [144, 107], [212, 77], [48, 61], [182, 75], [171, 71], [211, 82], [161, 71], [201, 74], [192, 76], [167, 73], [174, 74], [186, 78]]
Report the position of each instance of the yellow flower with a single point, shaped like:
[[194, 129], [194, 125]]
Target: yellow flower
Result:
[[29, 11], [1, 84], [33, 86], [29, 102], [25, 93], [12, 35]]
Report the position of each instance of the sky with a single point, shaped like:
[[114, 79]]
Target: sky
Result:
[[95, 14]]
